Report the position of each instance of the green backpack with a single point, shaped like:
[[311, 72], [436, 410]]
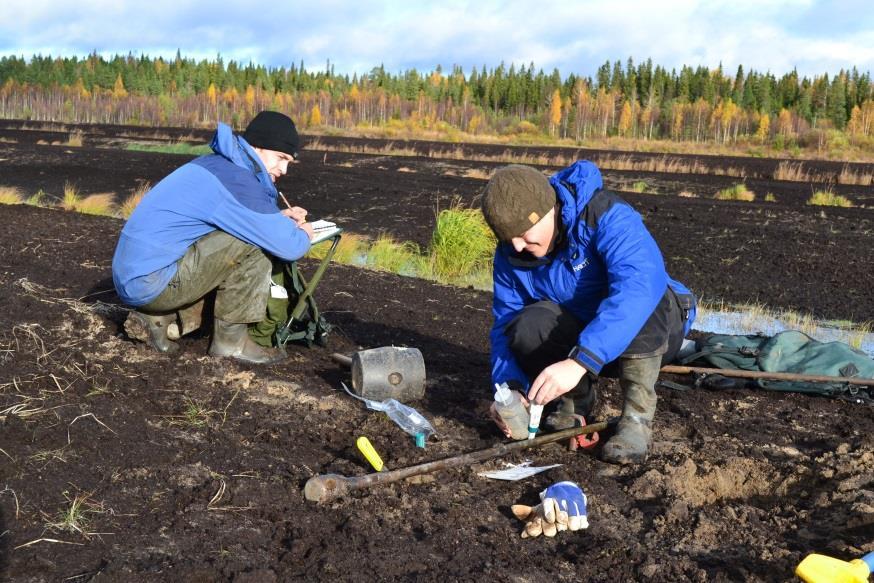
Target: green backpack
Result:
[[309, 328], [790, 352]]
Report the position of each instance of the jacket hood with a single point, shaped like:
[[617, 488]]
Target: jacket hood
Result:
[[574, 186], [233, 147]]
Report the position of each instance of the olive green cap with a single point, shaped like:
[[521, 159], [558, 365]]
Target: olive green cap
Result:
[[515, 199]]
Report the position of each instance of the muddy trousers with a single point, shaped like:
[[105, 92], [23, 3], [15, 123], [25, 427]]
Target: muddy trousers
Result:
[[544, 333], [238, 271]]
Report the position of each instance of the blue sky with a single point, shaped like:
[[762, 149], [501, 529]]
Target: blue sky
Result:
[[575, 36]]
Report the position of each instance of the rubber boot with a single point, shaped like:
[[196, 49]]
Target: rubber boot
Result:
[[189, 319], [151, 329], [233, 340], [631, 442], [580, 401]]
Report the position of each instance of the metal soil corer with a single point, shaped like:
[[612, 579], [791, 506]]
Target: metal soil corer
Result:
[[387, 372]]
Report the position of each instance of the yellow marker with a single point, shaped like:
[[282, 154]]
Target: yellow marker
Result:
[[822, 569], [367, 450]]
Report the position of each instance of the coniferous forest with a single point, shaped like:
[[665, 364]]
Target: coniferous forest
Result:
[[640, 101]]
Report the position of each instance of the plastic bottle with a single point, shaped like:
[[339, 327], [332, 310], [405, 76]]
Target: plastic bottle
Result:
[[509, 406]]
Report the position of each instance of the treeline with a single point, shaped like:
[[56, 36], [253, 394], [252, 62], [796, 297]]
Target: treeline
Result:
[[642, 101]]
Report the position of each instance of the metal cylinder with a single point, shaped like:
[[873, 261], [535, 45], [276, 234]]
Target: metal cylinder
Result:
[[389, 372]]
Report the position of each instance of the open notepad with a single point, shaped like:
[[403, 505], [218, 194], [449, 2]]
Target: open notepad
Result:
[[323, 230]]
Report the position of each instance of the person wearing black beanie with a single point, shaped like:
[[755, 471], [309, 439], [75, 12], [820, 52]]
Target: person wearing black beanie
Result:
[[213, 226], [271, 130]]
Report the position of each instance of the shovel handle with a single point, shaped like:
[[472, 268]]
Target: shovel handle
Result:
[[342, 359], [326, 487]]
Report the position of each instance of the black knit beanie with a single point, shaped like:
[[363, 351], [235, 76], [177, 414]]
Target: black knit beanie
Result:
[[272, 130]]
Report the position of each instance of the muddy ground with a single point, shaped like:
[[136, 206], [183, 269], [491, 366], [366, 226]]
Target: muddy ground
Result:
[[192, 468]]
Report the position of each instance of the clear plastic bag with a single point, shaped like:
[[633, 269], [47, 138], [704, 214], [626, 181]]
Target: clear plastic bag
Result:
[[404, 416]]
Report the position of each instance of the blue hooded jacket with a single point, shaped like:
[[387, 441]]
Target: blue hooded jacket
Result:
[[609, 273], [229, 190]]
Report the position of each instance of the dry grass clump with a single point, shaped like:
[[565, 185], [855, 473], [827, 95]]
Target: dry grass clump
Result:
[[75, 139], [829, 198], [736, 192], [130, 203], [791, 171], [10, 195], [102, 204], [687, 194], [858, 177], [770, 197], [478, 173]]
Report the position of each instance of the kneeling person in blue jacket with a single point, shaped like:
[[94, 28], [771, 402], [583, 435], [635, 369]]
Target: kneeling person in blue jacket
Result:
[[580, 290], [213, 224]]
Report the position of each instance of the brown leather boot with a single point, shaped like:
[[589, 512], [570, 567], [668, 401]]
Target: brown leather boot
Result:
[[233, 340], [151, 329]]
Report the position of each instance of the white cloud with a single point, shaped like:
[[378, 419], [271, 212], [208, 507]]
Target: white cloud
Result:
[[575, 36]]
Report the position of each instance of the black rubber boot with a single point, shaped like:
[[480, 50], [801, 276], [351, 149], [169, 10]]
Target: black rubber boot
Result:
[[581, 400], [232, 340], [630, 444], [152, 330]]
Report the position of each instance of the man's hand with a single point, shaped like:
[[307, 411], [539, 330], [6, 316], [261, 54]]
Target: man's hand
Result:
[[555, 380], [296, 214], [308, 229], [493, 413]]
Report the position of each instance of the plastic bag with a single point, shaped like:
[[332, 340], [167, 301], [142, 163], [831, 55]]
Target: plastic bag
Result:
[[404, 416]]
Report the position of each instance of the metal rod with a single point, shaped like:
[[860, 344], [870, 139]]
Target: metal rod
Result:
[[328, 486], [777, 376]]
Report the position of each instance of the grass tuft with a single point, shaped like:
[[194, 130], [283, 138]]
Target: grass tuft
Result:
[[829, 198], [736, 192], [75, 518], [350, 250], [386, 254], [791, 171], [640, 187], [770, 197], [75, 139], [130, 203], [462, 243], [10, 195], [96, 204], [37, 199], [181, 148]]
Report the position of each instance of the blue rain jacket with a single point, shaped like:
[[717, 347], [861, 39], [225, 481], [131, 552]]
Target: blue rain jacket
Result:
[[609, 273], [229, 190]]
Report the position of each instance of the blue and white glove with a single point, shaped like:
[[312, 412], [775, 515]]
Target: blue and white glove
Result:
[[564, 504], [562, 507]]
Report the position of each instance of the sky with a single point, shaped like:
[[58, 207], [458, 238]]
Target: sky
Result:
[[812, 36]]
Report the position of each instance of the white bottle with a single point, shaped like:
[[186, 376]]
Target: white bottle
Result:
[[509, 406]]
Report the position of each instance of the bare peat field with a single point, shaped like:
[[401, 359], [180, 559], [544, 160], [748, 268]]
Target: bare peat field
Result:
[[117, 463]]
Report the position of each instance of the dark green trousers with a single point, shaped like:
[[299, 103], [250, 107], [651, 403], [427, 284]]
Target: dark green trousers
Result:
[[238, 271]]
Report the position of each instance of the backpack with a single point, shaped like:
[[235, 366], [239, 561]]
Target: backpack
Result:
[[279, 327], [791, 352]]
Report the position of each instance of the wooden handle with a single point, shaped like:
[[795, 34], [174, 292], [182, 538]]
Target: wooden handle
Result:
[[342, 359], [776, 376], [326, 487]]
